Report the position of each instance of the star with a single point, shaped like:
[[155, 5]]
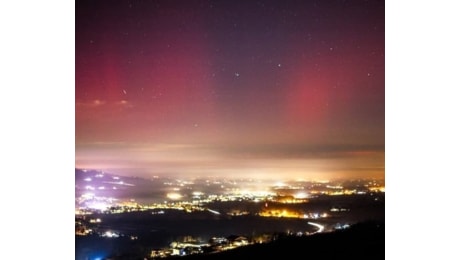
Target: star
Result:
[[237, 74]]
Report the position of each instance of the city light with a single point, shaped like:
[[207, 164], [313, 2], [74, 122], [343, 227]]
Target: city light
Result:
[[174, 196]]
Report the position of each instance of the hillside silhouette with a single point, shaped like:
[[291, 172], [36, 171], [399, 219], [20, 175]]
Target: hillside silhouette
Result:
[[361, 241], [364, 240]]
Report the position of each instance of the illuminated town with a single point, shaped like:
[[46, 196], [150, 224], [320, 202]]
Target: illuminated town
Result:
[[301, 208]]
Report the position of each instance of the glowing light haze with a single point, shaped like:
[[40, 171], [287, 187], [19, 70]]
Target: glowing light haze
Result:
[[286, 89]]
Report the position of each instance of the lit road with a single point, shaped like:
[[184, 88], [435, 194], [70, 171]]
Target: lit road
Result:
[[213, 211], [320, 227]]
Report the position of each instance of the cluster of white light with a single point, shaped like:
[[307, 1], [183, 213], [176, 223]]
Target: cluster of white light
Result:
[[88, 187], [110, 234], [301, 195], [98, 205], [173, 196], [197, 193]]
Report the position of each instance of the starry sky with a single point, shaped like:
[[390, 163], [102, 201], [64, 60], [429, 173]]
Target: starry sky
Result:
[[261, 89]]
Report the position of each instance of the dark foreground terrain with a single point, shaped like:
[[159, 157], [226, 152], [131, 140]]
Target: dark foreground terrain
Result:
[[361, 241]]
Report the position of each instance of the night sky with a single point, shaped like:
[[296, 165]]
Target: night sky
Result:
[[261, 89]]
